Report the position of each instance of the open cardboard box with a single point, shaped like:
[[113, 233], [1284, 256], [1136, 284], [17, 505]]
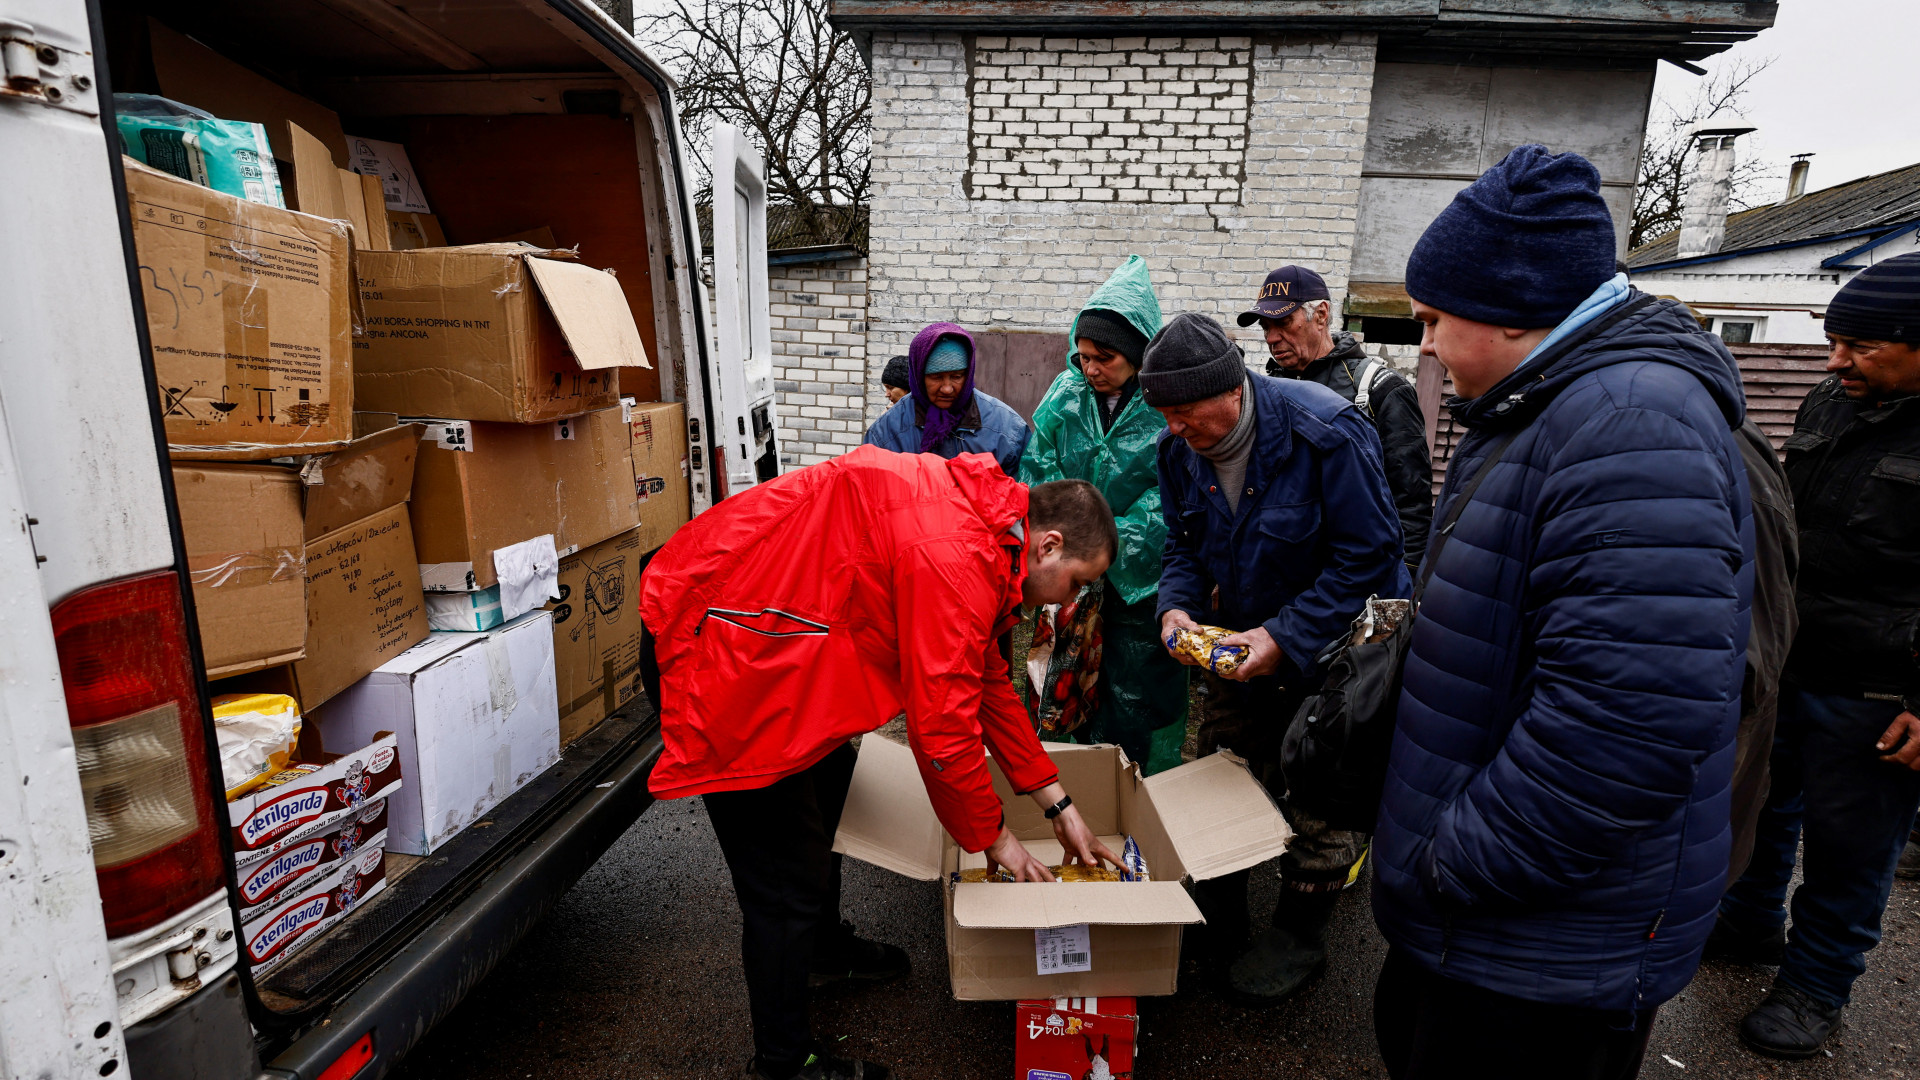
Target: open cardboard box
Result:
[[1204, 819]]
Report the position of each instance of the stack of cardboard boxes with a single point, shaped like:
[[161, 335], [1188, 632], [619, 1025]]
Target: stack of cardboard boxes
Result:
[[375, 436]]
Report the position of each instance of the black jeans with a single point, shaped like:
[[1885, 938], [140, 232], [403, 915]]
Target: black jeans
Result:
[[1434, 1028], [778, 841]]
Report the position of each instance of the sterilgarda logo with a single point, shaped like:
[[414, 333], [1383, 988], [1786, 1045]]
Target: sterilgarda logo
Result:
[[286, 812], [281, 868], [289, 925]]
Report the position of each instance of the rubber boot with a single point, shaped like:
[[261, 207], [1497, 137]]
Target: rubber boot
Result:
[[1285, 958], [1223, 903]]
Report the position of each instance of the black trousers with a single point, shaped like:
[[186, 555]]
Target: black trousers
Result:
[[778, 841], [1434, 1028]]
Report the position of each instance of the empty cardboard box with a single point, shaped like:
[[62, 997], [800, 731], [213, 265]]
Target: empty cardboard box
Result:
[[596, 633], [494, 332], [245, 553], [1204, 819], [659, 430], [476, 718], [248, 307]]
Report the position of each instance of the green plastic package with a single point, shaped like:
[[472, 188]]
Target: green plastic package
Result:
[[229, 156]]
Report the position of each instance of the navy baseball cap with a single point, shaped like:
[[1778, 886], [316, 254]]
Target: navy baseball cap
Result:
[[1285, 289]]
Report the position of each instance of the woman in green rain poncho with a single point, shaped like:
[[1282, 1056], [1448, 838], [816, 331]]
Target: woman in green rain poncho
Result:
[[1093, 426]]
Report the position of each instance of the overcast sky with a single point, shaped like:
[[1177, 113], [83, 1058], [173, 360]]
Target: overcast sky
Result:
[[1842, 87]]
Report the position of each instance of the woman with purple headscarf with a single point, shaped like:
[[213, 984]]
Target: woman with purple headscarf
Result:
[[944, 414]]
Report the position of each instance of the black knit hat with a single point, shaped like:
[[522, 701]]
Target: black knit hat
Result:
[[895, 373], [1111, 329], [1190, 359], [1881, 303]]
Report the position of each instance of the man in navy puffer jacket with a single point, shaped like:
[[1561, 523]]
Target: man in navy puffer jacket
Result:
[[1553, 835]]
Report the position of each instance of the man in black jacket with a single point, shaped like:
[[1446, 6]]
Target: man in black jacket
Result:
[[1293, 309], [1846, 757]]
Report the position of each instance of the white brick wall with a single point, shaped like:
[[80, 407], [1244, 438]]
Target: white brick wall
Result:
[[821, 385], [1109, 119]]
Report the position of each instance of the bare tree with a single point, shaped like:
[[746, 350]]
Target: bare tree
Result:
[[779, 71], [1663, 157]]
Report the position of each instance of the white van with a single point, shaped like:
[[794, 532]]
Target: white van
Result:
[[117, 912]]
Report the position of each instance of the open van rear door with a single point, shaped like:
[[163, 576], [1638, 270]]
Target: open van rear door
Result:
[[743, 433]]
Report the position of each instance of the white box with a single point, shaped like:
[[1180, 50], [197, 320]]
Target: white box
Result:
[[477, 716]]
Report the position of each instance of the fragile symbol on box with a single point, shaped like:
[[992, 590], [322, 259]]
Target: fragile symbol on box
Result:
[[1060, 950], [446, 434], [563, 431]]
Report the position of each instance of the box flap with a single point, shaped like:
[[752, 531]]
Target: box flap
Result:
[[1032, 905], [592, 312], [1218, 816], [371, 474], [888, 820], [438, 646]]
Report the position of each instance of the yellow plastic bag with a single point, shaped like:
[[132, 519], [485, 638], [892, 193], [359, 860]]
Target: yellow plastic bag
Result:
[[258, 734], [1203, 647]]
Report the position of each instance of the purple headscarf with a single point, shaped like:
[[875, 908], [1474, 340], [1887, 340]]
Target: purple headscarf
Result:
[[940, 423]]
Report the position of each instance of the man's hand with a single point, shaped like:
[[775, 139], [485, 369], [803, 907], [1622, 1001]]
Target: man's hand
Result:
[[1078, 841], [1263, 655], [1175, 619], [1009, 852], [1903, 742]]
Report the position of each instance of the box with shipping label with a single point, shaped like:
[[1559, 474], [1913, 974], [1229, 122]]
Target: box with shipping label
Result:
[[1010, 941], [1074, 1038], [310, 908], [476, 718], [659, 430], [306, 800], [262, 882], [596, 632], [482, 486], [249, 310], [245, 554], [490, 332], [364, 606]]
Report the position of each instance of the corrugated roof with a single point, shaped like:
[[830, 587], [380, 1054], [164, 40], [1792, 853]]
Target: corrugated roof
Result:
[[788, 228], [1887, 200]]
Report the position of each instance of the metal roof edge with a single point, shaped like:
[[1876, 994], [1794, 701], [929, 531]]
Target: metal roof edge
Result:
[[1723, 256], [1839, 262]]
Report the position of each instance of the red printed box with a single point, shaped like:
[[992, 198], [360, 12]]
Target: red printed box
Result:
[[305, 800], [300, 914], [1074, 1039], [262, 881]]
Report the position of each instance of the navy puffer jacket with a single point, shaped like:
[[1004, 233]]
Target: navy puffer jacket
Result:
[[1554, 822]]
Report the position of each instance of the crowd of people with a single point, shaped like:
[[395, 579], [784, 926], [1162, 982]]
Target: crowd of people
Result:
[[1650, 666]]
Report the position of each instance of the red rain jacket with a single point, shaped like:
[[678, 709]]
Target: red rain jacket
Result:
[[819, 605]]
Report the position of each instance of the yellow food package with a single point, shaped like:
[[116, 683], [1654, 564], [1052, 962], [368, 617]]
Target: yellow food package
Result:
[[258, 734], [1203, 647], [1065, 872]]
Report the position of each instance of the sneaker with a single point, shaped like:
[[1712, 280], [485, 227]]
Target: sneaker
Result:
[[822, 1067], [1909, 867], [847, 957], [1733, 946], [1789, 1024]]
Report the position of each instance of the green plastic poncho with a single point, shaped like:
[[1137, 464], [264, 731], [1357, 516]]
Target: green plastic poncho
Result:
[[1143, 704]]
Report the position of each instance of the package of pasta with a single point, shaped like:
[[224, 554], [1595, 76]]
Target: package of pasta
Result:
[[1203, 647], [1132, 868], [258, 734]]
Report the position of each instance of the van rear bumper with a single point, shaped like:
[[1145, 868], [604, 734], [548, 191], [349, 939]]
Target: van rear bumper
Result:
[[205, 1036]]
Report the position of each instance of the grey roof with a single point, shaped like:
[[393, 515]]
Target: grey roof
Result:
[[1859, 207], [789, 230]]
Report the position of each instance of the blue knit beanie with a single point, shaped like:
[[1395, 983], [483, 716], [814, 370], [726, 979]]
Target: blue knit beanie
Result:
[[1881, 303], [949, 355], [1522, 246]]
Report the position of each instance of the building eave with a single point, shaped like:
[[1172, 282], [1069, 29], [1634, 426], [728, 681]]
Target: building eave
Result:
[[1723, 256]]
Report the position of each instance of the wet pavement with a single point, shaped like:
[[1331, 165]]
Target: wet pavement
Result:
[[636, 974]]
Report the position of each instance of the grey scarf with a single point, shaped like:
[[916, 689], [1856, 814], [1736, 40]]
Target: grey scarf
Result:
[[1231, 454]]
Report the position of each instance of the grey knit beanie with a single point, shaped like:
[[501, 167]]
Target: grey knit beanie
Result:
[[1190, 359]]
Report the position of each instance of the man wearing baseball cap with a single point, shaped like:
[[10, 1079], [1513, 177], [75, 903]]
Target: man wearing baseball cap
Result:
[[1294, 311]]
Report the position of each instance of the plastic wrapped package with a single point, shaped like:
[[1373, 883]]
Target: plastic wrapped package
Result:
[[229, 156], [258, 734], [1133, 867], [1203, 647]]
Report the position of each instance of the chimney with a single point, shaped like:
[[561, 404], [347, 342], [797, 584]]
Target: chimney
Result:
[[1797, 177], [1703, 211]]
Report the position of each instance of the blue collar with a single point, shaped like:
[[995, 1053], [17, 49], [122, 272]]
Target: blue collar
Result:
[[1599, 303]]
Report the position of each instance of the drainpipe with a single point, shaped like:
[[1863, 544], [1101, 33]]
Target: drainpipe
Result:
[[1703, 212]]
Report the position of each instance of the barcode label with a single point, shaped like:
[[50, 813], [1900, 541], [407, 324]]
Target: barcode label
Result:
[[1061, 950]]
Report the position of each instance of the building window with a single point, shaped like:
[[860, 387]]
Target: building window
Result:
[[1737, 331]]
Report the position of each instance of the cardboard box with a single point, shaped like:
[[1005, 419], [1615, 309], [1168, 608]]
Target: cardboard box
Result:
[[1193, 823], [659, 430], [476, 719], [482, 486], [596, 633], [266, 820], [249, 310], [245, 553], [490, 332], [263, 881], [1058, 1039], [371, 473], [284, 928], [363, 603]]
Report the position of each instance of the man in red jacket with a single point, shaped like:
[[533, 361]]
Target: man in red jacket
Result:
[[816, 607]]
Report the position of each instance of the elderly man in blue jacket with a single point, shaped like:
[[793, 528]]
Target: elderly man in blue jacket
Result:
[[1553, 834], [1279, 525]]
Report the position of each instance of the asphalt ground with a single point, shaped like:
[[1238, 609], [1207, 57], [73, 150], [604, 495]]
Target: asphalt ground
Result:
[[636, 974]]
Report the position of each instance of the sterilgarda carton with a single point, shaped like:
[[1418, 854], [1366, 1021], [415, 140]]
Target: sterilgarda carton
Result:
[[1074, 1038], [301, 913], [263, 881], [300, 803]]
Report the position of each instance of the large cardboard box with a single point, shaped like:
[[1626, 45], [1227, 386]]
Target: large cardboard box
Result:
[[596, 632], [1197, 822], [373, 472], [479, 487], [249, 310], [476, 718], [363, 603], [245, 551], [659, 430], [495, 332]]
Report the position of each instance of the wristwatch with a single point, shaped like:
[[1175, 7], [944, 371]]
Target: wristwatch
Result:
[[1054, 810]]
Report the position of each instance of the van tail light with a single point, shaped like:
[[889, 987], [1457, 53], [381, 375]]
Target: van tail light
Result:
[[134, 704]]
